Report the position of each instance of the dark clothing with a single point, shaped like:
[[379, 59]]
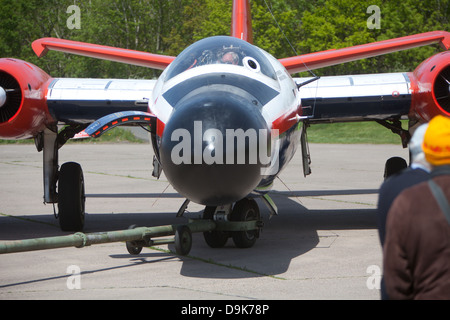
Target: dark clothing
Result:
[[389, 190], [417, 246]]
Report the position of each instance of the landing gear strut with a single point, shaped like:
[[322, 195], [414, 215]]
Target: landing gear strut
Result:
[[215, 238], [66, 186]]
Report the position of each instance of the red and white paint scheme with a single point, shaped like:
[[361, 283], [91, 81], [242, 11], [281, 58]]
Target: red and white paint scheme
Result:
[[225, 116]]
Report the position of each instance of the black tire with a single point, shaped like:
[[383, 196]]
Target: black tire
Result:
[[394, 165], [245, 210], [183, 240], [214, 239], [71, 197], [132, 248]]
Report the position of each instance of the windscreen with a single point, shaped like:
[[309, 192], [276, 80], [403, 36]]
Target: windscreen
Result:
[[221, 50]]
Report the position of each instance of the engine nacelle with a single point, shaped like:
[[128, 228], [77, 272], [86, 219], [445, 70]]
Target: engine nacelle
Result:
[[23, 109], [430, 85]]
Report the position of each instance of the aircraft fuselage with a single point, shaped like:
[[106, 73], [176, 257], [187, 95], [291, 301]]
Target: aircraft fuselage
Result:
[[229, 113]]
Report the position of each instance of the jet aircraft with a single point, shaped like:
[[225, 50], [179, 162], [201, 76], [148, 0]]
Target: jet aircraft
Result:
[[225, 117]]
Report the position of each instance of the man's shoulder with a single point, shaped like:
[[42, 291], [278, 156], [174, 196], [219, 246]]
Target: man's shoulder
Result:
[[407, 177]]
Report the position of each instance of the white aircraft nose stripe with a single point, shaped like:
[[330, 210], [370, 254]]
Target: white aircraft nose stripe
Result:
[[256, 88]]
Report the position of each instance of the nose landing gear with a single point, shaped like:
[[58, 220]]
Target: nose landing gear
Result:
[[243, 211]]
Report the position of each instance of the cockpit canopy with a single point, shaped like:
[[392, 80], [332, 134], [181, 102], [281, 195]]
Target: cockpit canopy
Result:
[[221, 50]]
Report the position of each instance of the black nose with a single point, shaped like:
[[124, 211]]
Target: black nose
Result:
[[210, 148]]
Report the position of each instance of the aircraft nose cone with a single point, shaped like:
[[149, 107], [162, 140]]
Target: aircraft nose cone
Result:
[[209, 149]]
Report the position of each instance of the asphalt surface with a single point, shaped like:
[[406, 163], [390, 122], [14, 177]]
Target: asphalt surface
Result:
[[323, 244]]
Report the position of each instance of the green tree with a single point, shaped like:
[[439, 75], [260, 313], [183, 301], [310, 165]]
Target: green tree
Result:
[[343, 23], [169, 26], [274, 30], [199, 19], [406, 17]]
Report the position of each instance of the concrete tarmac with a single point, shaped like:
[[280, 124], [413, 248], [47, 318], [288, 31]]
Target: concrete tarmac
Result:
[[323, 244]]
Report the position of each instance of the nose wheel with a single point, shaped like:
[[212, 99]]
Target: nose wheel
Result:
[[214, 238], [243, 211]]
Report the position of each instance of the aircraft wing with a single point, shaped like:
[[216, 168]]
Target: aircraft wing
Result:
[[35, 100], [337, 56], [62, 100], [293, 64], [85, 100], [139, 58], [356, 97], [100, 103]]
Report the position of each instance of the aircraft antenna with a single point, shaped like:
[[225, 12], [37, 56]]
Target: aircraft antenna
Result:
[[287, 39], [291, 193]]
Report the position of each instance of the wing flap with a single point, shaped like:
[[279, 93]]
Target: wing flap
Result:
[[139, 58], [356, 98], [85, 100], [337, 56]]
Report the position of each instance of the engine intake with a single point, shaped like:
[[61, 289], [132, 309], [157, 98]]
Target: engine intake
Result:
[[430, 85], [441, 89], [23, 108], [10, 97]]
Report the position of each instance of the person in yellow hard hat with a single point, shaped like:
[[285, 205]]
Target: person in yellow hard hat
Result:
[[437, 144], [417, 248]]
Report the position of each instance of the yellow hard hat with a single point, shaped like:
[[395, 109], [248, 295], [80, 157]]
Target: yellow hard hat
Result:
[[436, 142]]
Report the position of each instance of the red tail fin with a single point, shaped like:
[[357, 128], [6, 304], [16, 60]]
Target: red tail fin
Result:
[[241, 21]]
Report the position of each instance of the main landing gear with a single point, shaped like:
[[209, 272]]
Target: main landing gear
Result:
[[64, 187], [71, 197]]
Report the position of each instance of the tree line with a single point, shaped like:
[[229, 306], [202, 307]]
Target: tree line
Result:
[[282, 27]]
